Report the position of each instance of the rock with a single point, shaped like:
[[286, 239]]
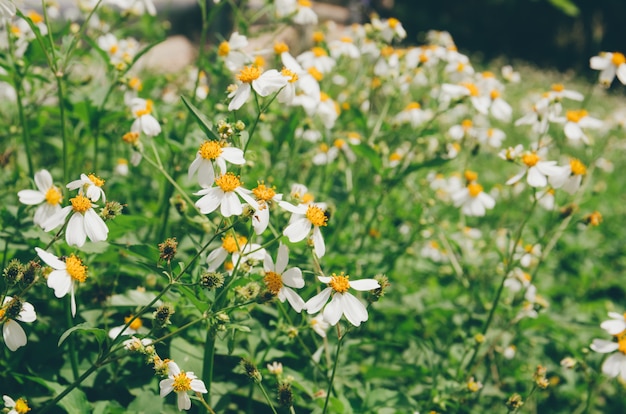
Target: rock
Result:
[[170, 56]]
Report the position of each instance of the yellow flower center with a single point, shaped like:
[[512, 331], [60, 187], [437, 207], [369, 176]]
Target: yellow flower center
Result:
[[488, 75], [412, 105], [228, 182], [21, 406], [249, 73], [131, 137], [466, 124], [35, 17], [530, 159], [339, 284], [460, 66], [262, 192], [618, 58], [395, 157], [232, 244], [2, 313], [259, 61], [97, 181], [80, 203], [473, 89], [280, 47], [423, 58], [317, 75], [494, 94], [558, 87], [577, 167], [145, 111], [471, 175], [621, 342], [346, 39], [339, 143], [113, 49], [182, 383], [324, 96], [393, 22], [318, 37], [223, 49], [387, 51], [75, 268], [135, 83], [136, 324], [316, 216], [319, 52], [474, 189], [307, 198], [53, 196], [210, 150], [576, 116], [273, 281], [289, 74], [324, 147], [304, 3], [594, 218]]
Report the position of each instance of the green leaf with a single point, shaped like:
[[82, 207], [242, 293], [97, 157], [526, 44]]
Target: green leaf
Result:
[[98, 333], [369, 153], [566, 6], [74, 402], [133, 298], [193, 298], [201, 119]]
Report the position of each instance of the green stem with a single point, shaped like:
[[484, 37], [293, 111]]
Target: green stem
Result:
[[267, 397], [60, 95], [25, 130], [332, 375], [71, 340]]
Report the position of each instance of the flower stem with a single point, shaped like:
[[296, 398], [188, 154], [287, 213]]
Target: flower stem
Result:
[[332, 375]]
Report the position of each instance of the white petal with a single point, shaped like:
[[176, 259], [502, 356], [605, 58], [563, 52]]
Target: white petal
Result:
[[60, 281], [75, 234], [298, 230], [614, 326], [233, 155], [13, 334], [44, 212], [269, 82], [364, 284], [241, 96], [318, 242], [293, 278], [603, 346], [612, 365], [316, 303], [95, 228], [516, 177], [216, 258], [193, 167], [173, 368], [43, 180], [231, 205], [209, 202], [31, 197], [282, 258], [621, 73], [166, 386], [535, 178], [334, 310], [296, 302], [354, 310], [599, 62], [50, 259], [27, 314], [72, 300], [56, 220], [184, 402], [197, 385]]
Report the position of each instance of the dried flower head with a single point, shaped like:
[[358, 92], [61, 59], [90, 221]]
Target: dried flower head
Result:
[[167, 249]]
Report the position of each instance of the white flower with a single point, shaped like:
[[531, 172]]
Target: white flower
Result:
[[344, 47], [263, 83], [213, 152], [83, 223], [389, 29], [181, 382], [342, 302], [571, 176], [537, 171], [225, 195], [64, 275], [615, 364], [275, 368], [144, 121], [90, 185], [318, 59], [575, 121], [615, 325], [49, 196], [509, 74], [232, 52], [12, 333], [16, 407], [135, 344], [609, 64], [319, 325], [238, 247], [7, 8], [303, 218], [473, 200], [280, 280], [414, 115], [491, 136], [266, 197], [135, 326]]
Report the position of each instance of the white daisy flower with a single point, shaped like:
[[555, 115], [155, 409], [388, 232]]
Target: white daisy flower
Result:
[[144, 121], [571, 176], [263, 83], [90, 185], [83, 223], [135, 327], [48, 197], [473, 200], [280, 280], [15, 407], [536, 170], [225, 195], [303, 218], [318, 59], [238, 247], [575, 122], [615, 325], [181, 382], [64, 275], [13, 310], [615, 364], [232, 52], [319, 325], [266, 197], [413, 114], [610, 64], [342, 302], [213, 152]]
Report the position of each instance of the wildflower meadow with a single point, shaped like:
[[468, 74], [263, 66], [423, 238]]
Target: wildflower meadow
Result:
[[307, 218]]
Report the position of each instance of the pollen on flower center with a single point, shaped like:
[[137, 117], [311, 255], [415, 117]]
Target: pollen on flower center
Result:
[[210, 150], [80, 203], [618, 58], [339, 143], [576, 116], [289, 74], [319, 52], [99, 182], [412, 105], [494, 94], [316, 216], [135, 324], [393, 22], [223, 49], [466, 124], [273, 281], [317, 75], [228, 182], [473, 89], [182, 383], [339, 284], [577, 167], [262, 192], [471, 175], [131, 137], [53, 196], [531, 159], [232, 245], [474, 189], [558, 87], [75, 268], [21, 406], [304, 3], [249, 73], [145, 111], [621, 342]]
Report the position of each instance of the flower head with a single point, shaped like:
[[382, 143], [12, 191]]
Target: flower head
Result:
[[280, 280], [213, 153], [14, 309], [304, 218], [47, 196], [20, 406], [181, 382], [610, 64], [225, 194], [615, 364]]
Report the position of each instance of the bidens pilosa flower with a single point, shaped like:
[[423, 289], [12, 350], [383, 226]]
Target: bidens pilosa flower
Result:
[[472, 199], [181, 382], [225, 194], [211, 152], [615, 364], [303, 218], [12, 310], [90, 185], [610, 64], [47, 196], [65, 274], [253, 77], [342, 302], [144, 121], [16, 407], [280, 280]]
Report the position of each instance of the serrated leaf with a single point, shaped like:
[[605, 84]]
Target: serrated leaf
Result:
[[204, 124], [98, 333]]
